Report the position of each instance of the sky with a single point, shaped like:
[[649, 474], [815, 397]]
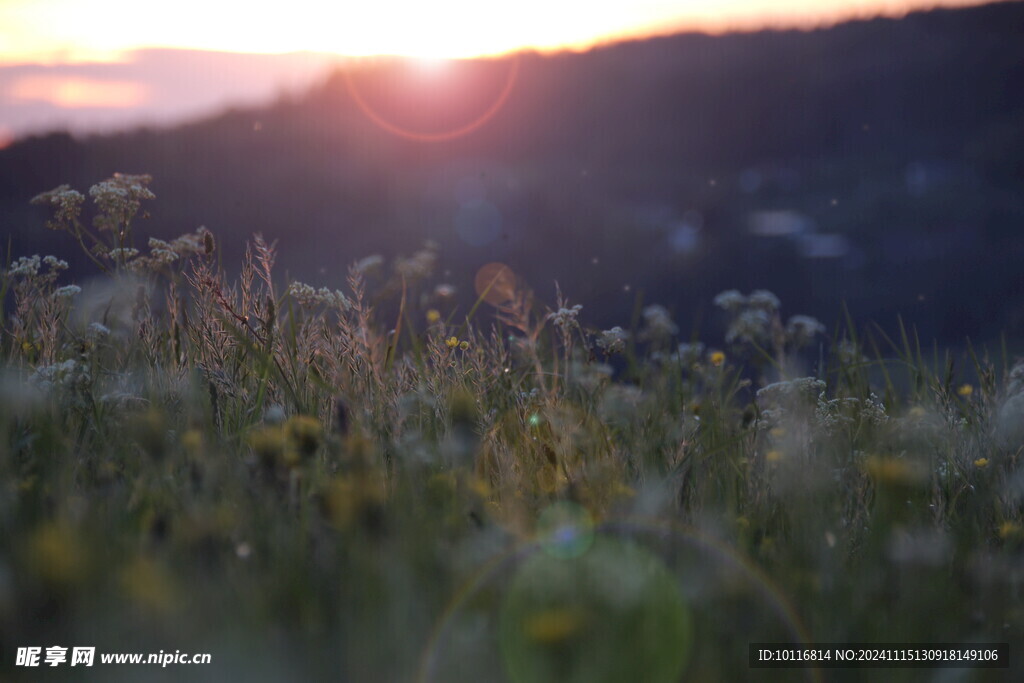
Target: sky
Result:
[[95, 65]]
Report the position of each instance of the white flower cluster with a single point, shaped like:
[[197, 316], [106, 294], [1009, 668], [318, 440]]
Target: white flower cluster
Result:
[[750, 325], [834, 414], [690, 354], [123, 253], [369, 264], [658, 323], [29, 266], [67, 292], [613, 340], [782, 398], [68, 203], [418, 266], [801, 329], [564, 317], [753, 318], [307, 295], [118, 199], [1009, 420], [70, 375]]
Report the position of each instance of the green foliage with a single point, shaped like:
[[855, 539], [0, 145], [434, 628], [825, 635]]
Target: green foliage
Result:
[[279, 477]]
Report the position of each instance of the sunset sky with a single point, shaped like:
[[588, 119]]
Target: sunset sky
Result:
[[92, 65], [62, 30]]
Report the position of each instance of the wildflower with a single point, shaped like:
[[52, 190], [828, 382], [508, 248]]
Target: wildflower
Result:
[[750, 325], [26, 266], [1010, 530], [764, 300], [306, 295], [965, 390], [773, 456], [553, 625], [893, 471], [464, 345], [57, 555], [122, 254], [349, 500], [613, 340], [452, 342], [658, 323], [369, 264], [730, 300], [981, 462], [192, 441], [304, 434], [689, 354], [564, 317], [97, 331], [433, 316], [68, 203], [67, 292], [149, 585], [717, 358], [54, 263], [801, 329]]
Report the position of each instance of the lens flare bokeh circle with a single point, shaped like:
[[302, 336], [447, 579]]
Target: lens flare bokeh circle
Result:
[[384, 123], [602, 603]]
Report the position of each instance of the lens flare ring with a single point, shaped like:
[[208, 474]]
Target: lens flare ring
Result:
[[629, 528], [441, 136]]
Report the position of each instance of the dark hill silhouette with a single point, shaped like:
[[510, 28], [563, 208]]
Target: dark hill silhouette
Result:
[[876, 162]]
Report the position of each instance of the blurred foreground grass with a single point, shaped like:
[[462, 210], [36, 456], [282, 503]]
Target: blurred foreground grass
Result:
[[373, 485]]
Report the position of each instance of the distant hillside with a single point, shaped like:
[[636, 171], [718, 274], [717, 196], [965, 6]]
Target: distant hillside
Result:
[[877, 163]]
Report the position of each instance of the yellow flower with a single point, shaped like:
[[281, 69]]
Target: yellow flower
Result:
[[1010, 530], [717, 358], [464, 345], [893, 471], [981, 462], [965, 390], [452, 342], [192, 441], [553, 625], [304, 434], [773, 456], [433, 316]]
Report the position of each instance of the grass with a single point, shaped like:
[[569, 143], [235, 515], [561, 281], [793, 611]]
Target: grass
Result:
[[368, 485]]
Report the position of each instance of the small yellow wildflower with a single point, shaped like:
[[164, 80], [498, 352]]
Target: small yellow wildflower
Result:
[[57, 555], [192, 441], [777, 432], [452, 342], [149, 586], [893, 471], [464, 345], [717, 358], [553, 625], [917, 412], [433, 316], [965, 390], [981, 462], [1009, 530], [773, 456], [304, 433]]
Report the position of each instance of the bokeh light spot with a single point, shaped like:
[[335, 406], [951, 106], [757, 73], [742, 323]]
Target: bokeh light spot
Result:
[[495, 283], [613, 614]]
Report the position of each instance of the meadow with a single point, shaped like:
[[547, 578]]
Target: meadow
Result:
[[378, 485]]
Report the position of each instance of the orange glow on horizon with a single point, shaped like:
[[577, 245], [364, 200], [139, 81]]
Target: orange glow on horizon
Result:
[[77, 92], [69, 31]]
